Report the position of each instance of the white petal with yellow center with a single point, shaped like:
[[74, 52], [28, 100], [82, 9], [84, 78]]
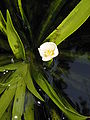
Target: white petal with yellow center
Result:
[[48, 50]]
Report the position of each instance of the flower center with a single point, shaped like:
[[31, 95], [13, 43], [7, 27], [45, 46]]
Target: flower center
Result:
[[48, 53]]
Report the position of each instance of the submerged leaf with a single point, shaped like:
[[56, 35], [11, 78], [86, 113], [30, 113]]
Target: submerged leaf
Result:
[[54, 115], [52, 11], [71, 23], [14, 39], [46, 87], [29, 107], [24, 18]]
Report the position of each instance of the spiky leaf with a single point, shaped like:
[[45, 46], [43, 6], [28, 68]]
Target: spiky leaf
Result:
[[14, 39], [71, 23]]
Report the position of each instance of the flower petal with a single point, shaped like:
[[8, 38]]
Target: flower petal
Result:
[[48, 50], [56, 52], [46, 58]]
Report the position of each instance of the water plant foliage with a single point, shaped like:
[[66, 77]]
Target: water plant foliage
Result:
[[18, 83]]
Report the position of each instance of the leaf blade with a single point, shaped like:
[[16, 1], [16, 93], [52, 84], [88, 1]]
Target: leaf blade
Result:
[[5, 100], [14, 39], [2, 23], [13, 66], [52, 11], [24, 18], [30, 86], [7, 113], [29, 107], [18, 106], [71, 23]]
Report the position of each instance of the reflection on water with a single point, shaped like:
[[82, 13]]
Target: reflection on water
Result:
[[78, 84]]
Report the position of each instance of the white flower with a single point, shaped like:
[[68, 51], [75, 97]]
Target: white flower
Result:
[[48, 50]]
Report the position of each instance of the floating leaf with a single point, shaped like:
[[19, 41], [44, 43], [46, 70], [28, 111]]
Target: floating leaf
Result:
[[2, 23], [71, 23], [18, 106], [29, 107], [14, 39], [30, 85]]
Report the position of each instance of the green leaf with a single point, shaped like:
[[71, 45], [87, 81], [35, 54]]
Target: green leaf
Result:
[[2, 23], [52, 11], [24, 18], [29, 107], [18, 106], [5, 59], [54, 115], [13, 79], [17, 77], [14, 39], [71, 23], [3, 80], [30, 85], [7, 113], [6, 98], [46, 87], [21, 10], [13, 66], [19, 74], [2, 89]]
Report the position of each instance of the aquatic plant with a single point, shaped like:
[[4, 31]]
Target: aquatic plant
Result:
[[25, 70]]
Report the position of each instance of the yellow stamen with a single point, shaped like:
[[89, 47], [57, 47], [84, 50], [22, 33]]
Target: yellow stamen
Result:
[[48, 53]]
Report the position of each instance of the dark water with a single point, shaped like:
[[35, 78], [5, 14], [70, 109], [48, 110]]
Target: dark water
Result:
[[74, 81], [78, 81], [70, 71]]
